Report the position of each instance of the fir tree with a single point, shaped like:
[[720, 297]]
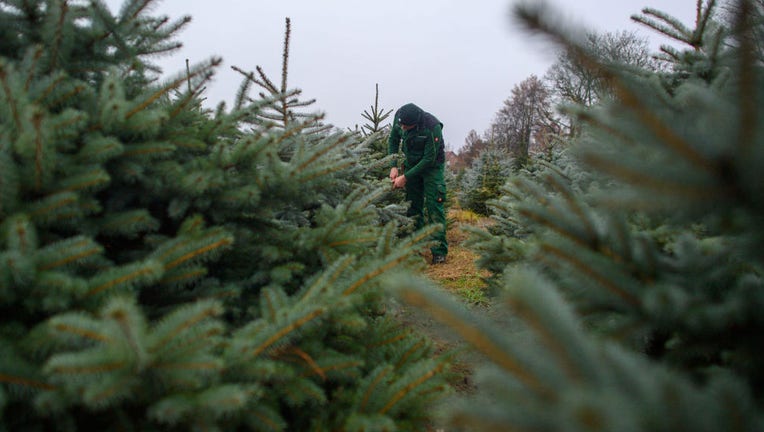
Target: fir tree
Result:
[[483, 179], [393, 203], [636, 284], [375, 116], [165, 267], [287, 107]]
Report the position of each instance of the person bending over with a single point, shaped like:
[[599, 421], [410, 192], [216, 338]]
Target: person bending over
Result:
[[421, 171]]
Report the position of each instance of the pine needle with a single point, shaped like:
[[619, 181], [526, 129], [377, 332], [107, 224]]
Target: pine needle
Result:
[[588, 270], [480, 341], [293, 326], [411, 386], [15, 380]]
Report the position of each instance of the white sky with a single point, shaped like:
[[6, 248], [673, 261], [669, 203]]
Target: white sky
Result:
[[458, 59]]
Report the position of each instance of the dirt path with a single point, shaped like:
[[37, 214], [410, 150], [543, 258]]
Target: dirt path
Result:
[[460, 277]]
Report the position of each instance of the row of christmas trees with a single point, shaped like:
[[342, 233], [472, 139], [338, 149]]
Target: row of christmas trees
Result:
[[630, 264], [164, 267], [167, 267]]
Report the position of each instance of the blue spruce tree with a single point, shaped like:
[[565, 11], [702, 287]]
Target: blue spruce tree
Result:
[[166, 267], [632, 277]]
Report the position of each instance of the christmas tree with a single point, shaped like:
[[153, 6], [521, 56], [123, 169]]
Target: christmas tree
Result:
[[482, 180], [166, 267], [632, 276]]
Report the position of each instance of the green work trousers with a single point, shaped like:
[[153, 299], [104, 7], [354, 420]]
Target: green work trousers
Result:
[[427, 194]]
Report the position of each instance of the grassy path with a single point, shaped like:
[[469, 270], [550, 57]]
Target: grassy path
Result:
[[460, 277]]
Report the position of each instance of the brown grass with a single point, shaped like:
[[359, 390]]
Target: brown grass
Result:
[[460, 276], [459, 271]]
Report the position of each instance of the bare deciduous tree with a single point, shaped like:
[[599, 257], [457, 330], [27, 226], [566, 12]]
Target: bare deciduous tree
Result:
[[526, 112], [473, 146], [571, 82]]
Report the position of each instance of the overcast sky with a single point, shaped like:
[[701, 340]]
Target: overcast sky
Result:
[[458, 59]]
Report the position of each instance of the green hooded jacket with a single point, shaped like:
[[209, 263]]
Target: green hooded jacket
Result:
[[423, 145]]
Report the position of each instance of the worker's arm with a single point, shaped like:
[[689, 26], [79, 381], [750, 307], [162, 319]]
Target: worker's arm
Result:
[[394, 142]]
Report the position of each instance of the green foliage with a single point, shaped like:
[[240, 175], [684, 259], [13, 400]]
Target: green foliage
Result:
[[393, 204], [471, 289], [635, 271], [164, 267], [375, 116], [483, 179]]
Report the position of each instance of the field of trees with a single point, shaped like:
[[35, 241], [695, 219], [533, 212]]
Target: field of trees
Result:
[[166, 266]]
